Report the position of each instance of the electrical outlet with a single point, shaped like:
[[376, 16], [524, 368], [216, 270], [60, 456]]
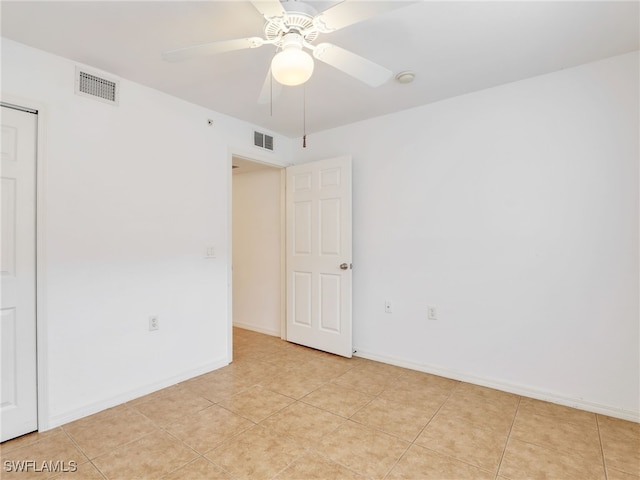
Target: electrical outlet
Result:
[[387, 306], [432, 312], [154, 323]]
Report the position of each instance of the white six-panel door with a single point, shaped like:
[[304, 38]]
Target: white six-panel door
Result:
[[18, 394], [318, 210]]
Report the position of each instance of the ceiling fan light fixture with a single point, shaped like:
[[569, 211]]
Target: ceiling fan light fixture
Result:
[[292, 66]]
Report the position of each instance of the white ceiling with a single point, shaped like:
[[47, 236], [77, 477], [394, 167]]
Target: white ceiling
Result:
[[453, 47]]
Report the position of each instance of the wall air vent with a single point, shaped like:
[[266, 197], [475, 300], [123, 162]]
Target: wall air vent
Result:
[[263, 140], [96, 87]]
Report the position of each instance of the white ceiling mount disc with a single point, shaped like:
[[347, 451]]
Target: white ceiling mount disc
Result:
[[405, 77]]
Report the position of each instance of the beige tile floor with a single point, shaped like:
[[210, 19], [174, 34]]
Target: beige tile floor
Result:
[[282, 411]]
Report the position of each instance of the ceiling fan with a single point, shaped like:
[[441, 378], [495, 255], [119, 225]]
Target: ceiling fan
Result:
[[292, 27]]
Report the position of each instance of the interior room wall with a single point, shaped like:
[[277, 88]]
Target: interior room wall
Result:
[[257, 285], [132, 195], [513, 211]]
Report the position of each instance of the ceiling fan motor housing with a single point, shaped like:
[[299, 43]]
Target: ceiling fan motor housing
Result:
[[291, 22]]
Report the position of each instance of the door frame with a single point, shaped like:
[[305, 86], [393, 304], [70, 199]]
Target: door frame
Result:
[[42, 373], [276, 162]]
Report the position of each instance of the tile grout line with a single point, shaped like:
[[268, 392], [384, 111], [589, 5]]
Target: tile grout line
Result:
[[159, 428], [259, 424], [98, 470], [294, 398], [306, 451], [234, 477], [269, 415], [398, 460], [436, 412], [604, 461], [182, 466], [89, 460], [551, 448], [412, 442], [456, 459], [338, 462], [504, 450], [379, 430], [350, 418], [312, 449], [76, 444], [202, 455]]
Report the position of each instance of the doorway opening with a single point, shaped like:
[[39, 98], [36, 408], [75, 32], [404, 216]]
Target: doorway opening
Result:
[[312, 248], [258, 255]]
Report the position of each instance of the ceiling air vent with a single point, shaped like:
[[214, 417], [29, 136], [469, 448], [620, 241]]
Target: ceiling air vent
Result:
[[96, 87], [263, 140]]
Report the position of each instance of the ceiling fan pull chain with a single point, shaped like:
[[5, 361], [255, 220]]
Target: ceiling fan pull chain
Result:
[[304, 115]]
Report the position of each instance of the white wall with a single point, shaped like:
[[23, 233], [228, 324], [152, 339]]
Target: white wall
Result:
[[514, 210], [257, 284], [132, 195]]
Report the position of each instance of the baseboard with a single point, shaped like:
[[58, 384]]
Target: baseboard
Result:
[[633, 416], [75, 414], [253, 328]]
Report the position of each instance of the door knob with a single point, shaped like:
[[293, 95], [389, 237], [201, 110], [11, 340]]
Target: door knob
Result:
[[344, 266]]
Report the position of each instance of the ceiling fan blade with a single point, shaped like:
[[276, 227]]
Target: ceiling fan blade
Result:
[[212, 48], [350, 12], [270, 89], [358, 67], [269, 8]]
